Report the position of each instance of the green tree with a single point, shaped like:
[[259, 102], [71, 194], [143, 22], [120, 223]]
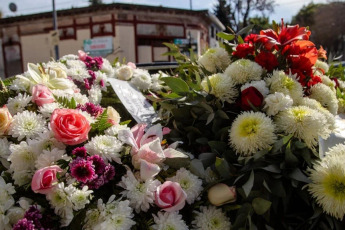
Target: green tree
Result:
[[223, 12], [95, 2], [305, 16]]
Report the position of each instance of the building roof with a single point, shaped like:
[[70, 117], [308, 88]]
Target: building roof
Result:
[[102, 7]]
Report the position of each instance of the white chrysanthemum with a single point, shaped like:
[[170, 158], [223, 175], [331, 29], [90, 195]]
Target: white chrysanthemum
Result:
[[6, 191], [81, 98], [47, 109], [303, 123], [78, 73], [69, 57], [141, 194], [214, 59], [321, 65], [22, 177], [325, 96], [19, 84], [58, 67], [17, 104], [252, 132], [328, 182], [49, 158], [80, 198], [22, 157], [210, 176], [75, 63], [286, 84], [211, 218], [243, 71], [124, 72], [169, 221], [114, 130], [16, 213], [274, 103], [327, 81], [101, 77], [45, 141], [314, 104], [157, 83], [27, 124], [95, 94], [141, 79], [190, 183], [88, 117], [259, 85], [341, 105], [109, 147], [222, 87], [4, 152], [114, 215], [107, 68]]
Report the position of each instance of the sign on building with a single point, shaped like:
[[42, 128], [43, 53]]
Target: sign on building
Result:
[[100, 46]]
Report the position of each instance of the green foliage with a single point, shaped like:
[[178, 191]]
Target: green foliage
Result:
[[101, 124], [337, 72], [66, 103]]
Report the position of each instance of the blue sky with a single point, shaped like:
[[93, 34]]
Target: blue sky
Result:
[[283, 9]]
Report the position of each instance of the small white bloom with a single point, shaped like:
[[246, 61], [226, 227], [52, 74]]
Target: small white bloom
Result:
[[74, 63], [327, 81], [124, 73], [101, 77], [95, 94], [6, 191], [27, 124], [17, 104], [47, 109], [78, 73], [157, 83], [214, 59], [243, 71], [211, 218], [80, 198], [22, 157], [274, 103], [107, 68], [321, 65], [169, 221], [114, 130], [45, 141], [88, 117], [325, 96], [109, 147], [49, 158], [259, 85], [141, 79], [139, 193], [69, 57], [4, 152], [190, 183], [19, 84]]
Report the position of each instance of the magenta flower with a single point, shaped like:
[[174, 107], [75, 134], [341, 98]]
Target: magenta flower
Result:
[[98, 163], [79, 152], [83, 170], [92, 109]]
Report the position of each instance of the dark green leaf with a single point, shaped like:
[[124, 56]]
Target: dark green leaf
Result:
[[261, 206], [223, 168], [217, 146], [247, 187], [125, 122], [197, 168], [245, 30], [290, 158], [101, 123], [177, 85], [207, 159], [226, 36], [299, 176]]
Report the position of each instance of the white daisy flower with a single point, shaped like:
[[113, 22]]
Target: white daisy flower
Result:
[[45, 141], [49, 158], [286, 84], [75, 63], [274, 103], [88, 117], [141, 194], [259, 85], [304, 123], [243, 71], [214, 59], [211, 218], [22, 157], [169, 221], [190, 183], [95, 94], [327, 81], [69, 57], [109, 147], [6, 191], [321, 65], [47, 109], [17, 104], [101, 77], [22, 177], [325, 96], [328, 182], [78, 73], [223, 87], [107, 68], [19, 84], [4, 152], [59, 67], [157, 83], [124, 73], [141, 79], [80, 198], [114, 130], [251, 132], [27, 124]]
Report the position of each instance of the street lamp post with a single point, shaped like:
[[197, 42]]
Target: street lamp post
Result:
[[55, 28]]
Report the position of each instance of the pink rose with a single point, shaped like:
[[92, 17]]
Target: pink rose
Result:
[[170, 196], [42, 95], [82, 55], [44, 179], [69, 126], [5, 120]]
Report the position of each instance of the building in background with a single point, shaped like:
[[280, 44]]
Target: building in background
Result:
[[134, 32]]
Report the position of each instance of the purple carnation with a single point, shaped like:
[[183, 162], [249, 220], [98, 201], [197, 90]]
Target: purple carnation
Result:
[[92, 109], [98, 163], [80, 152], [96, 183], [24, 224], [35, 216], [83, 170], [109, 173]]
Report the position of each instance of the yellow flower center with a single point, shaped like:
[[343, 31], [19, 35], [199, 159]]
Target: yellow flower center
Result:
[[248, 128], [299, 114], [335, 186], [288, 83]]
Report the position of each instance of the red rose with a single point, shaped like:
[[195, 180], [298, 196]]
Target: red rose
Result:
[[69, 126], [251, 96], [267, 60], [242, 50]]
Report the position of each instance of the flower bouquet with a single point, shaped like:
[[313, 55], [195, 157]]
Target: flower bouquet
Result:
[[251, 114]]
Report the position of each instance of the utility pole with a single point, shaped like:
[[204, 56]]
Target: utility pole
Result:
[[190, 3], [55, 29]]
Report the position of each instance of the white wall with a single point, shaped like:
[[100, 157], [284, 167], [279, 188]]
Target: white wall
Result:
[[72, 46], [144, 54], [35, 48]]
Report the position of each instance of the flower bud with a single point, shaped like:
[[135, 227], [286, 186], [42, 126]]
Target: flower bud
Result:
[[221, 194], [113, 115]]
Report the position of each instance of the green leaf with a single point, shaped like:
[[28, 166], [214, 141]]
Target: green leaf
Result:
[[197, 168], [223, 168], [226, 36], [290, 158], [65, 102], [207, 159], [101, 123], [246, 29], [240, 39], [261, 206], [299, 176], [247, 187], [177, 85], [125, 122], [217, 146], [220, 113]]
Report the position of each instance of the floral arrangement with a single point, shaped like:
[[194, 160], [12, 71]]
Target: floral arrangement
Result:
[[251, 114]]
